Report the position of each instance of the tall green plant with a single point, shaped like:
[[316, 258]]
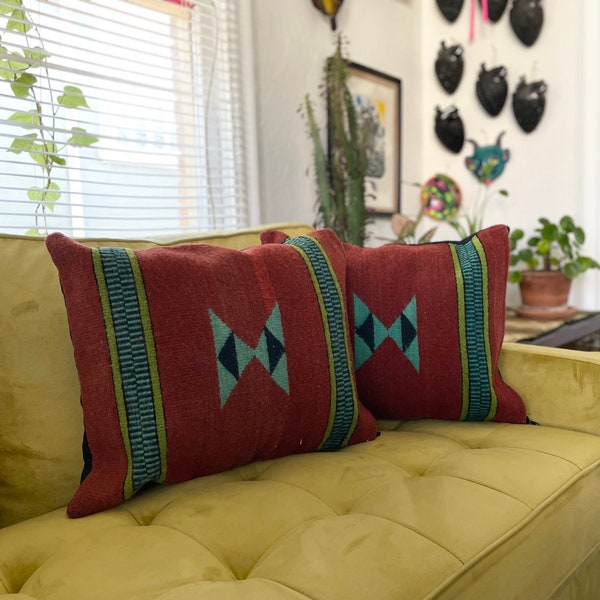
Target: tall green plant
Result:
[[27, 72], [340, 171]]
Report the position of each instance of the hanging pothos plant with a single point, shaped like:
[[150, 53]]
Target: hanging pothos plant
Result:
[[340, 171], [27, 72]]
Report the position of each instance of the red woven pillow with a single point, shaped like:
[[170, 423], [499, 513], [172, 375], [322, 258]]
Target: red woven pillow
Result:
[[428, 324], [195, 359]]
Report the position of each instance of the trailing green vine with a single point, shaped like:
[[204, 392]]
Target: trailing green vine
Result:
[[27, 71]]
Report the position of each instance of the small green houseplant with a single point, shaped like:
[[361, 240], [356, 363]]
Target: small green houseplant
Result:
[[341, 169], [552, 258], [553, 246]]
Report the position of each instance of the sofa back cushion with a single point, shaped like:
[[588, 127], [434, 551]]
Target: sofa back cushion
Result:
[[196, 359], [41, 425]]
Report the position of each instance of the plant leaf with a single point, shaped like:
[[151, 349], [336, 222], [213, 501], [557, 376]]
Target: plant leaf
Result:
[[36, 53], [23, 143], [21, 86], [47, 195], [570, 270], [27, 119], [72, 98], [15, 62], [58, 160], [80, 137], [9, 5], [18, 21], [37, 154]]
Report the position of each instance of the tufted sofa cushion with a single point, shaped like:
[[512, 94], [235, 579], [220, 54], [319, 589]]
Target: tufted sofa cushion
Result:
[[429, 510]]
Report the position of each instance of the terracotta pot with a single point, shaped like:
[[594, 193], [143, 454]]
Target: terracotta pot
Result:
[[544, 289]]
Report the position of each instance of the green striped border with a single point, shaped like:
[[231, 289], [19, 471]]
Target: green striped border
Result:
[[343, 414], [479, 400], [134, 365]]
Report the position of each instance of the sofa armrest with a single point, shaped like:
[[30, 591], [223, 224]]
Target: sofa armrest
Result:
[[561, 388]]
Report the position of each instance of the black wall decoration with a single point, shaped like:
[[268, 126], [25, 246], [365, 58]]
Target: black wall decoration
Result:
[[526, 19], [450, 8], [492, 89], [529, 101], [495, 9], [449, 128], [449, 66], [329, 8]]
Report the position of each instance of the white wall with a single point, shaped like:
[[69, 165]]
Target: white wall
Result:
[[401, 37], [292, 41]]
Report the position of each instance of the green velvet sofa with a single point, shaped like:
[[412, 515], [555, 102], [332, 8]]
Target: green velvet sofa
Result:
[[429, 509]]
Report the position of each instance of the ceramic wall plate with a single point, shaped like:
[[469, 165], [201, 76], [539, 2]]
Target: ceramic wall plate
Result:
[[526, 20], [449, 66], [492, 89], [496, 9], [529, 102], [450, 8], [450, 129]]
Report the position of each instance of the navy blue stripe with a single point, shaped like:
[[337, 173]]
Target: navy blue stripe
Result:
[[133, 362]]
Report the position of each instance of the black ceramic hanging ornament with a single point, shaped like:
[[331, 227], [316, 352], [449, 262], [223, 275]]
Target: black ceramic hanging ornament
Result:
[[449, 128], [449, 66], [529, 102], [495, 9], [526, 19], [450, 8], [492, 89]]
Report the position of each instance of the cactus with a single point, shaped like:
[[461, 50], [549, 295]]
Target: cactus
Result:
[[340, 171]]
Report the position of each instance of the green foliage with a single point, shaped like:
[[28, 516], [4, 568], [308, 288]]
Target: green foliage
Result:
[[27, 73], [340, 171], [475, 219], [553, 246]]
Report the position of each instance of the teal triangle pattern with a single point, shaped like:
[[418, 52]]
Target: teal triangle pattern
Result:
[[234, 355], [370, 332]]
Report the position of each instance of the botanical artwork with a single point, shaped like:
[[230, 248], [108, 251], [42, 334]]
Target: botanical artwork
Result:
[[376, 98], [371, 114]]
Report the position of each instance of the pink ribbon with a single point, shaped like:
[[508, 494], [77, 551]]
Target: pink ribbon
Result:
[[485, 15]]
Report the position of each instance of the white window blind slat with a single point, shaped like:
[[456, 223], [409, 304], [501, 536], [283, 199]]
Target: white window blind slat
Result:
[[163, 89]]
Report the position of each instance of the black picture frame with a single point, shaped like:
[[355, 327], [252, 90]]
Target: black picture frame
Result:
[[378, 97]]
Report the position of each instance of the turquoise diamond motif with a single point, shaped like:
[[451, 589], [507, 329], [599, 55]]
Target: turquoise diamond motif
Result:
[[370, 332], [234, 355]]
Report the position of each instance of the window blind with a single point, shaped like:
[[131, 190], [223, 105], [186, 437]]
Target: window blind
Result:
[[120, 117]]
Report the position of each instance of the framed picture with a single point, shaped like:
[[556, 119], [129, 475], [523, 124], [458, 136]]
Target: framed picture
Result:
[[378, 99]]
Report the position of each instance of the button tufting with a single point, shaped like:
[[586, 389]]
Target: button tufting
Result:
[[417, 510]]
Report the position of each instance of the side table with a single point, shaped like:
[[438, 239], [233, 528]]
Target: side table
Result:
[[581, 331]]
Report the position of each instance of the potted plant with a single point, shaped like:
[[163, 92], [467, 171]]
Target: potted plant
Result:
[[340, 170], [552, 258]]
